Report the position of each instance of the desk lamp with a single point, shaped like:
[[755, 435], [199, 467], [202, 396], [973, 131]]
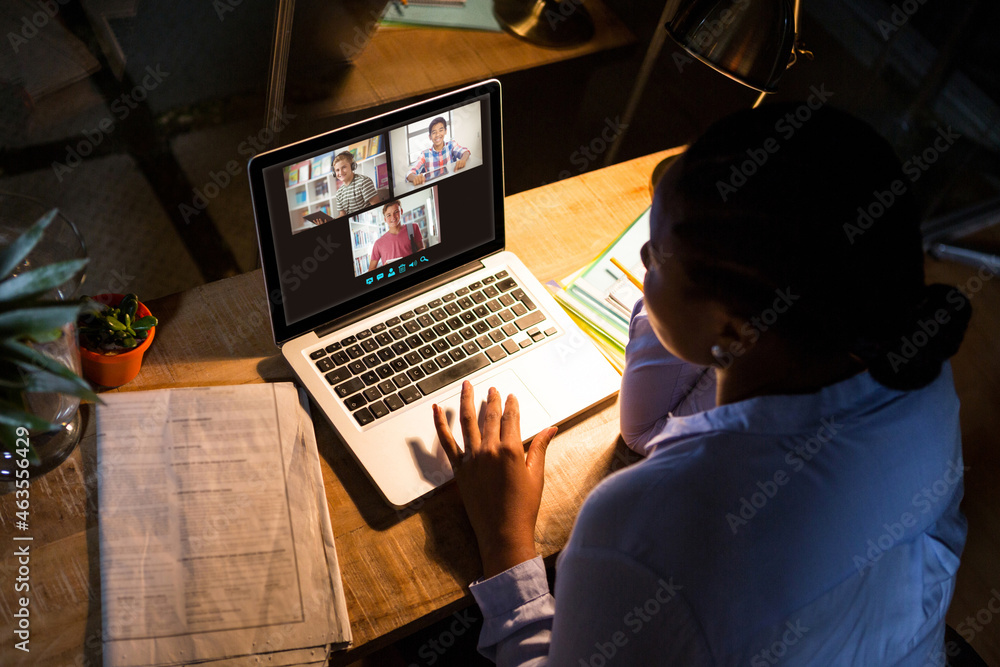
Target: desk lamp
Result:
[[750, 41], [550, 23]]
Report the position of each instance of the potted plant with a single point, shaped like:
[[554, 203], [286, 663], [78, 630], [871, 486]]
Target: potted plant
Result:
[[115, 332], [39, 392]]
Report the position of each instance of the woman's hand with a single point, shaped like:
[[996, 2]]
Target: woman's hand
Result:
[[501, 487]]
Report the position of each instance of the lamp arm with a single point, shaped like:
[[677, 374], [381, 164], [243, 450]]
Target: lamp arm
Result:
[[797, 48]]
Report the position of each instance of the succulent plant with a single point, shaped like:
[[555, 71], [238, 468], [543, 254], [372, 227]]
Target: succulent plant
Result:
[[114, 328], [28, 316]]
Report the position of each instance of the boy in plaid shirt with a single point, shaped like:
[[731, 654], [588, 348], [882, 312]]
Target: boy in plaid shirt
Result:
[[434, 160]]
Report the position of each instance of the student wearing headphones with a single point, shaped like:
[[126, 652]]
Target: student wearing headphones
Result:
[[357, 190], [434, 161], [811, 514]]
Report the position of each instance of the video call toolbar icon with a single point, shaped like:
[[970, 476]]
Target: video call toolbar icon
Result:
[[380, 276], [402, 267], [423, 259], [369, 280]]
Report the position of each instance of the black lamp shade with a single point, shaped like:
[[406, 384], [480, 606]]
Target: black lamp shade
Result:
[[747, 40]]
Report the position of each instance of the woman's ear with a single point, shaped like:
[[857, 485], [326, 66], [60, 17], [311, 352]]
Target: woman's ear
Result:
[[736, 336]]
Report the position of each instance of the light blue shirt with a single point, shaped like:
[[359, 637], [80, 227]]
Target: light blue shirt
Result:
[[819, 529]]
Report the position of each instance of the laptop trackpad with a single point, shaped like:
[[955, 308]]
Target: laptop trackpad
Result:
[[432, 465], [533, 416]]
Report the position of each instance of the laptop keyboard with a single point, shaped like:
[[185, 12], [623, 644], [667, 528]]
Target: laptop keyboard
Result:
[[381, 369]]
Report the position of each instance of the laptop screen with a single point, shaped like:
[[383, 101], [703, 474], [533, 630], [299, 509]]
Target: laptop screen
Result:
[[353, 216]]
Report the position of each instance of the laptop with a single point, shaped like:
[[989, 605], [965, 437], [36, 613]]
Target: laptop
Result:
[[386, 310]]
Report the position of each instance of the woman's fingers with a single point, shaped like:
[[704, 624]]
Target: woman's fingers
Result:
[[535, 460], [467, 418], [444, 435], [510, 425], [500, 424], [491, 421]]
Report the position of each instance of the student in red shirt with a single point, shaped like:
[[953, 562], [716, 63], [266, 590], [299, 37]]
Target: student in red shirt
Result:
[[399, 241]]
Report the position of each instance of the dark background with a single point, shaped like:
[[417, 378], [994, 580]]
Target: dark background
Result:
[[126, 188]]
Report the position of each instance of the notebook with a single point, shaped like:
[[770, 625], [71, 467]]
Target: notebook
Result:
[[385, 311]]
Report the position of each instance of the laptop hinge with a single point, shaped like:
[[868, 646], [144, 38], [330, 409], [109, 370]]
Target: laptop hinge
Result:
[[396, 299]]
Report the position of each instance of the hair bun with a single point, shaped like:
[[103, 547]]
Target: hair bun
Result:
[[913, 358]]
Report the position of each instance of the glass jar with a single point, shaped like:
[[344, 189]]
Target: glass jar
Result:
[[61, 241]]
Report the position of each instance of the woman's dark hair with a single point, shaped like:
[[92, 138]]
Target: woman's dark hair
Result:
[[802, 220]]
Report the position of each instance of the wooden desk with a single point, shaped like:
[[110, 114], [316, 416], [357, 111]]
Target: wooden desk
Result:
[[401, 569], [404, 62]]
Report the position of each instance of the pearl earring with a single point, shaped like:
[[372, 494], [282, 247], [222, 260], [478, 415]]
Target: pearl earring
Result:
[[717, 352]]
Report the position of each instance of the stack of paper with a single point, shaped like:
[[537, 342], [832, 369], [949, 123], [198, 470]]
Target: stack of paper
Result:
[[215, 538], [600, 297], [472, 14]]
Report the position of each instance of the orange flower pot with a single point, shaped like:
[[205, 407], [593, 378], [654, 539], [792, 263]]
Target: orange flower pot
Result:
[[116, 368]]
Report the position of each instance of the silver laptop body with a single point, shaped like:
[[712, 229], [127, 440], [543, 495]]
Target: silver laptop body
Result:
[[382, 314]]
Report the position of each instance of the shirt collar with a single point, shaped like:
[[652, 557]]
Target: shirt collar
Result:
[[782, 414]]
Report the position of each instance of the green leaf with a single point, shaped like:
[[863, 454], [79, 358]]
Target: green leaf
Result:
[[129, 304], [40, 280], [145, 323], [47, 336], [115, 324], [13, 415], [29, 358], [26, 322], [19, 249], [41, 382]]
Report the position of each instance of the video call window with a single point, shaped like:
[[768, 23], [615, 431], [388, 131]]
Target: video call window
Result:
[[436, 147], [338, 183], [390, 239]]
